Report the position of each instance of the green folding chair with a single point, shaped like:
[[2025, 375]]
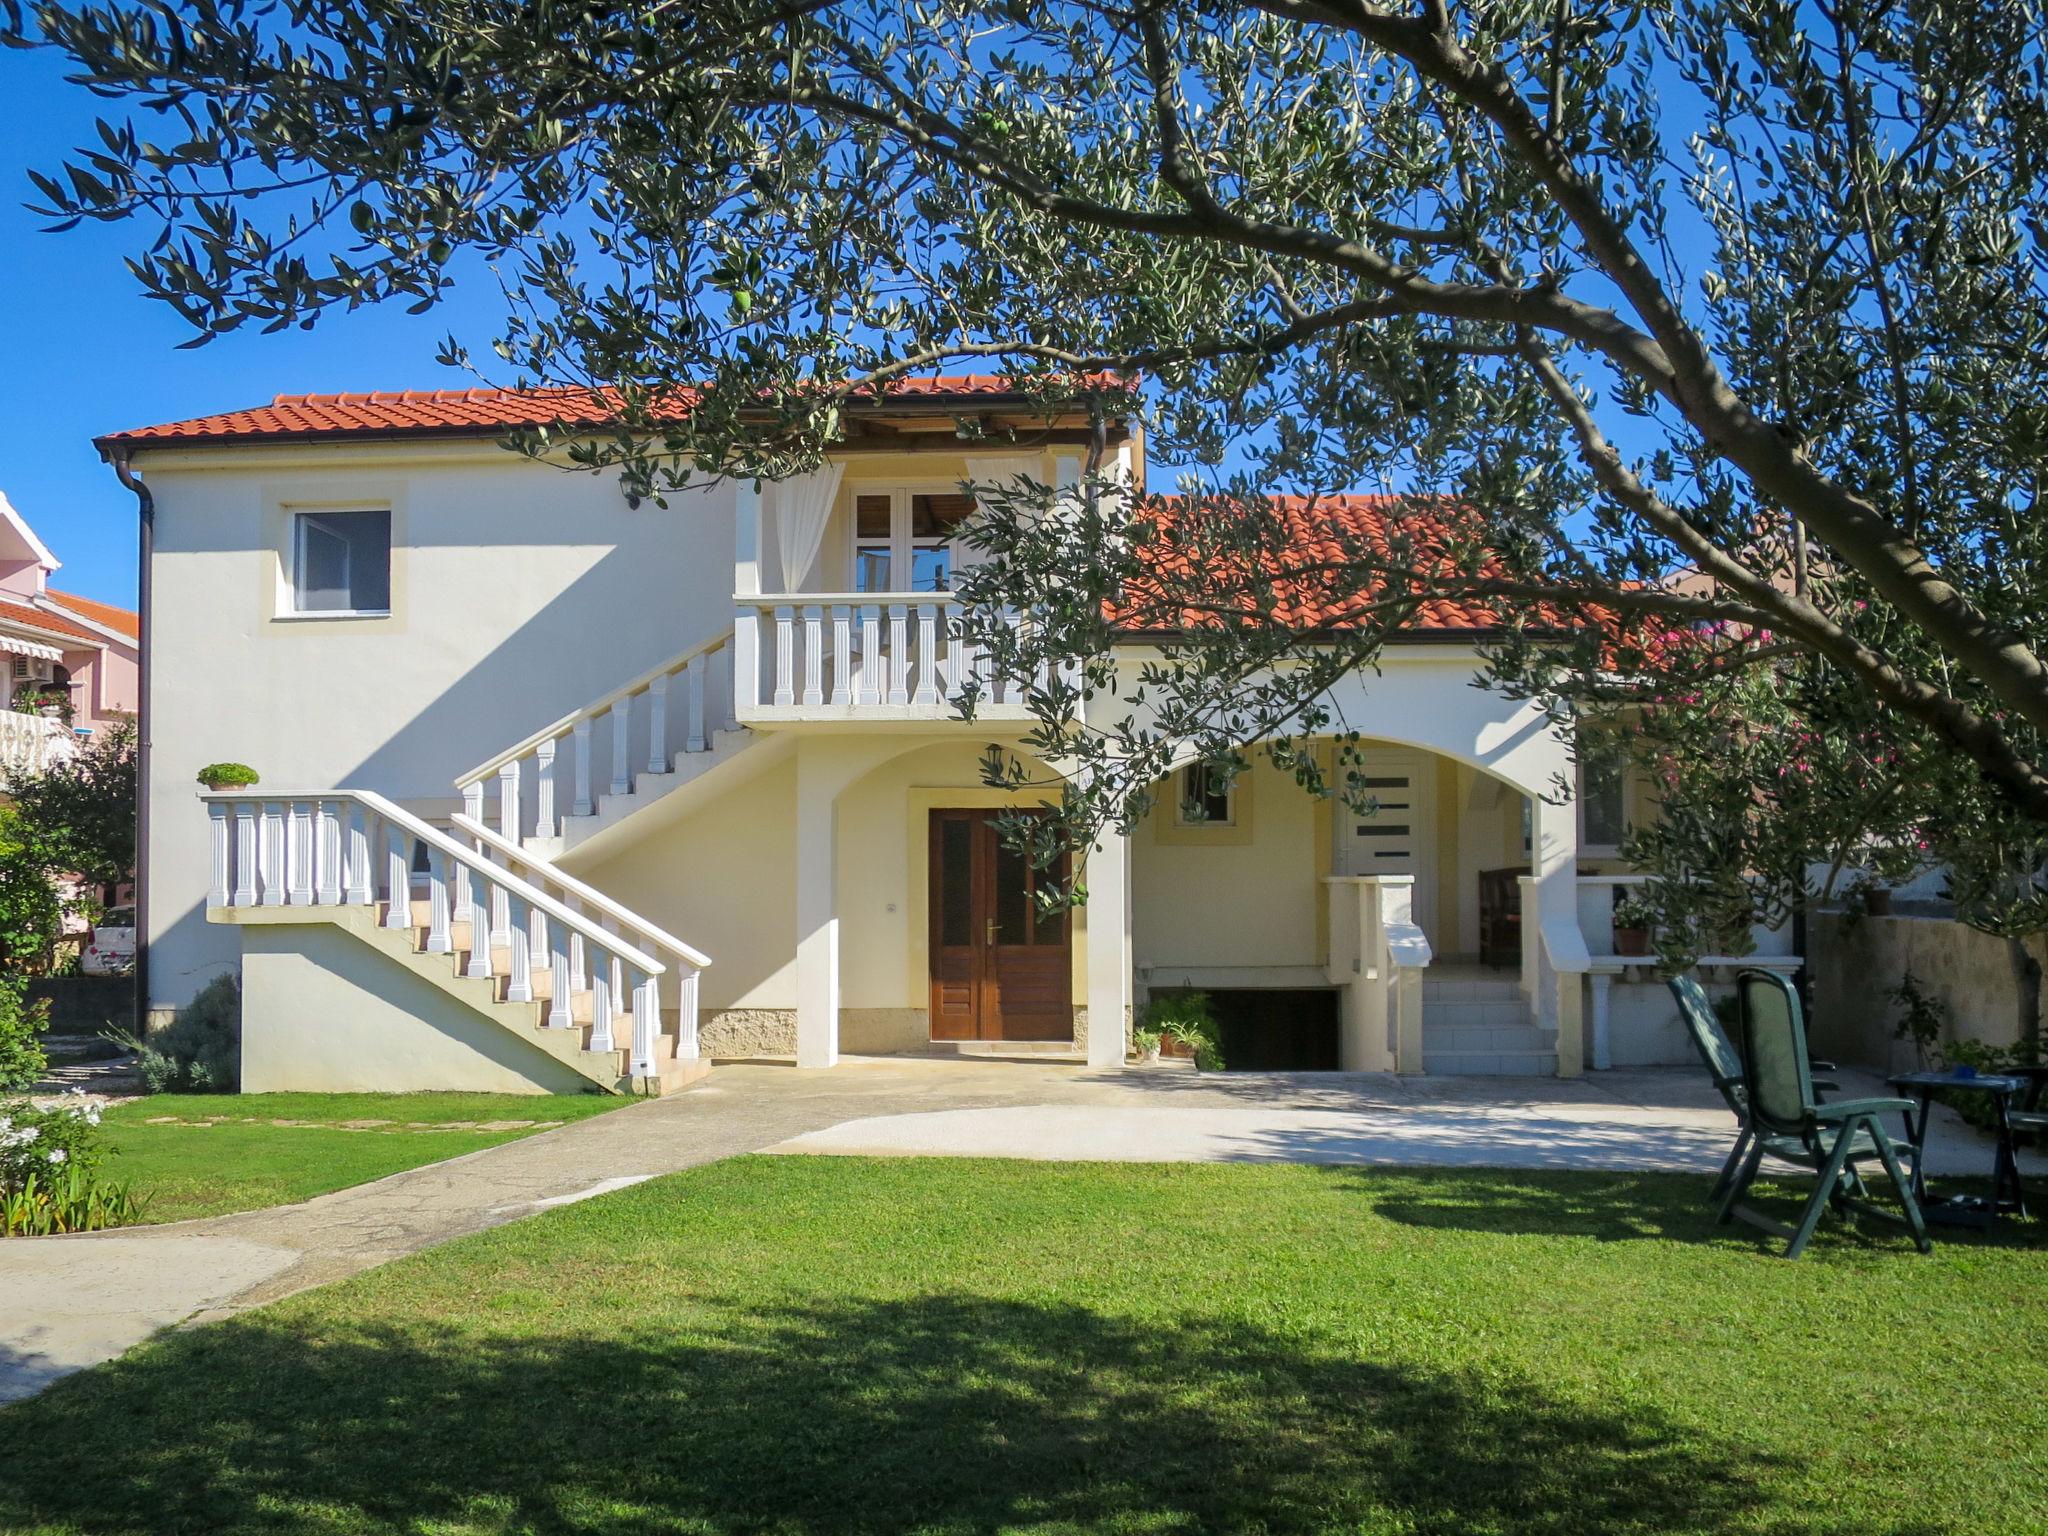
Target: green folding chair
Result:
[[1724, 1066], [1787, 1120]]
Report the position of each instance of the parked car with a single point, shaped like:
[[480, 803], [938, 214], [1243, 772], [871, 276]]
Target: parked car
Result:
[[110, 947]]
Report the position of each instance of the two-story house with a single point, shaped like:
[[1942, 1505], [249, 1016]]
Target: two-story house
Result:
[[559, 790]]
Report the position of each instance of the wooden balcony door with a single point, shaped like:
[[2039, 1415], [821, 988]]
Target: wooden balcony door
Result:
[[1001, 970]]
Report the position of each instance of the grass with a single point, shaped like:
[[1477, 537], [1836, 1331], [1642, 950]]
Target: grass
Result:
[[226, 1153], [849, 1345]]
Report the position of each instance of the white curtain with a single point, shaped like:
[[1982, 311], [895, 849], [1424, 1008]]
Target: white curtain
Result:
[[1004, 469], [803, 506]]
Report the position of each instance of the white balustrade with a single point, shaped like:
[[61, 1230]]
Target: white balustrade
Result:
[[1600, 895], [664, 710], [1378, 954], [842, 653], [354, 848]]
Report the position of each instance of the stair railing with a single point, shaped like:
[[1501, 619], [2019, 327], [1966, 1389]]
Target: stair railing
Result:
[[640, 726], [353, 847], [585, 899]]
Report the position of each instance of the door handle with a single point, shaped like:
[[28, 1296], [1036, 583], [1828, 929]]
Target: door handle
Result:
[[991, 933]]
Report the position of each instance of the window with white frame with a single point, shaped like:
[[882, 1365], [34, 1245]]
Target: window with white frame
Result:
[[903, 539], [341, 562], [1208, 797]]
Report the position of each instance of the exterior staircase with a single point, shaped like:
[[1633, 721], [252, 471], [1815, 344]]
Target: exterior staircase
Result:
[[1476, 1022], [572, 973]]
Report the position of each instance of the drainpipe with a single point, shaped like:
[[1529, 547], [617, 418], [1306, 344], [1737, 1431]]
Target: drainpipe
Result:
[[146, 506]]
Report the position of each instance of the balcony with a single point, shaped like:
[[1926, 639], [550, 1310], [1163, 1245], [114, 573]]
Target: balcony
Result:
[[864, 657], [29, 744]]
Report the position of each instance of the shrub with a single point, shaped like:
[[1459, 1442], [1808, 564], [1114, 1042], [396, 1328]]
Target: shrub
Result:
[[199, 1051], [1185, 1018], [227, 776], [21, 1027], [49, 1172], [1923, 1019]]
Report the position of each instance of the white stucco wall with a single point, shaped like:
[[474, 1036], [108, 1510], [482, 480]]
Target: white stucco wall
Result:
[[518, 593]]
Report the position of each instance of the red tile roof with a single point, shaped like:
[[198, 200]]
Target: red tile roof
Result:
[[32, 616], [1308, 558], [461, 412], [123, 620]]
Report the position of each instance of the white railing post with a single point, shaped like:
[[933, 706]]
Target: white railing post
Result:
[[462, 899], [544, 790], [245, 853], [899, 653], [842, 654], [814, 654], [519, 981], [439, 939], [579, 735], [218, 831], [697, 677], [560, 1015], [473, 800], [298, 854], [356, 871], [785, 655], [686, 1011], [963, 653], [327, 817], [927, 654], [398, 873], [508, 802], [746, 584], [481, 938], [646, 1025], [270, 855], [622, 747], [601, 1010], [657, 725], [870, 654]]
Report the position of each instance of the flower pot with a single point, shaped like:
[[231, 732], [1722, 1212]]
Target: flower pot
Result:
[[1149, 1057], [1631, 941], [1877, 901], [50, 711]]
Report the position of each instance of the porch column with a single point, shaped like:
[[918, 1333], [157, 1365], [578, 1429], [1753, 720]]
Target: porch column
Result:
[[1109, 948], [746, 582], [817, 913], [1551, 903]]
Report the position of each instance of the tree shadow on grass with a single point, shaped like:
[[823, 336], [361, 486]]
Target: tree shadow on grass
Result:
[[936, 1413]]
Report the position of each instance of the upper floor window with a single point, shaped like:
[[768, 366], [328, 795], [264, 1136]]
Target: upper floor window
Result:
[[341, 562], [1603, 806], [1207, 798], [902, 540]]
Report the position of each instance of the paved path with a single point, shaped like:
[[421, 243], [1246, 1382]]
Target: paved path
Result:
[[71, 1302]]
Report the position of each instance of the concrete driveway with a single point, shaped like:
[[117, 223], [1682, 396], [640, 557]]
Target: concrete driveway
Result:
[[72, 1302]]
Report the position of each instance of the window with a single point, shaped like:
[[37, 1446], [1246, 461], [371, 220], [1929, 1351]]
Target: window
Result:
[[902, 540], [341, 562], [1207, 797], [1602, 808]]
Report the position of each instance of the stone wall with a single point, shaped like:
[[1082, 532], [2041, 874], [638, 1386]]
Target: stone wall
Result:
[[1855, 962]]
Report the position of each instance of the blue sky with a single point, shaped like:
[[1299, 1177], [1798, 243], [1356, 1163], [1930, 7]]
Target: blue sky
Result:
[[82, 352]]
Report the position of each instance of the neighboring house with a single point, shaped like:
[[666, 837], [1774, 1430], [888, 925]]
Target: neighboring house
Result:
[[557, 790], [54, 643]]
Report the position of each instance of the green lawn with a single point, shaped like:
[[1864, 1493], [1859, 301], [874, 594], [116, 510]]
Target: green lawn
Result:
[[848, 1345], [212, 1153]]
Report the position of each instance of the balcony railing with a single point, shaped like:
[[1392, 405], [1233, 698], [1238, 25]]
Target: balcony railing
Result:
[[865, 655], [31, 743]]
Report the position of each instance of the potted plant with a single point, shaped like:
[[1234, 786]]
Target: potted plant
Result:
[[219, 776], [1187, 1027], [49, 700], [1146, 1043], [1877, 900], [1632, 920]]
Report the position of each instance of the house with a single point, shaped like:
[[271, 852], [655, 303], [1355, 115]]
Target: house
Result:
[[64, 655], [558, 790]]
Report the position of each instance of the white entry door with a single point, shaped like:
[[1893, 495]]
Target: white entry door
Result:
[[1399, 837]]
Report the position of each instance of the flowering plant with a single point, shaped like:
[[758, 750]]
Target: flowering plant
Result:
[[49, 1180]]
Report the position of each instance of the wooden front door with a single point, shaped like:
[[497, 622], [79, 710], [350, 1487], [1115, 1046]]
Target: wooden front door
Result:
[[1001, 969]]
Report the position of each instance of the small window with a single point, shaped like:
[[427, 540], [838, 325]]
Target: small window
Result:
[[341, 562], [1602, 818], [1207, 797], [934, 519]]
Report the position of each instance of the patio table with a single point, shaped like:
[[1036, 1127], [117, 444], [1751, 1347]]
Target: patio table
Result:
[[2005, 1196]]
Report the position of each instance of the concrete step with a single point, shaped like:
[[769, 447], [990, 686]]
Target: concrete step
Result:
[[1463, 1015], [1504, 988], [1489, 1063], [1484, 1037], [1032, 1050]]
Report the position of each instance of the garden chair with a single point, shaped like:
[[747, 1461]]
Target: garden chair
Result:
[[1724, 1066], [1788, 1121]]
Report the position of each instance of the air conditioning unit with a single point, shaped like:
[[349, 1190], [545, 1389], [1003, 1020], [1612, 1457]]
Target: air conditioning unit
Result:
[[32, 669]]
